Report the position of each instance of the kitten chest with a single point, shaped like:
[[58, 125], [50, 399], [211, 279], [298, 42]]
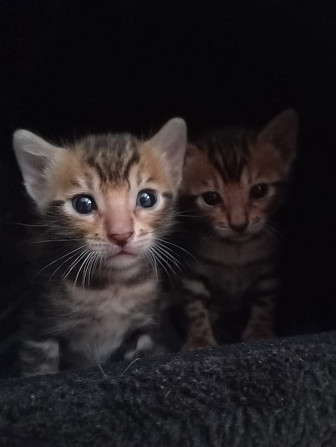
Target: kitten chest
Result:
[[233, 270], [102, 318]]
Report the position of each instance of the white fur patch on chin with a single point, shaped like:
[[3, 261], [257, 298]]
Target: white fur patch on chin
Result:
[[122, 261]]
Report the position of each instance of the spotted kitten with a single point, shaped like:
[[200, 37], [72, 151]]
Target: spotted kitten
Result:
[[105, 205], [233, 183]]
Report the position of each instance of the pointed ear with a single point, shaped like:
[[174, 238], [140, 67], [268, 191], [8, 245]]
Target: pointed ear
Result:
[[191, 151], [35, 156], [171, 142], [193, 158], [195, 169], [281, 133]]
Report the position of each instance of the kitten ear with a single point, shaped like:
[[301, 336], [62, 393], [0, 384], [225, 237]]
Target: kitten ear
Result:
[[281, 133], [35, 156], [192, 151], [171, 142], [192, 156]]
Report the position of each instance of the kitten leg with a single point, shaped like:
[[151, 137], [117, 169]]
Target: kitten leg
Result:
[[260, 325], [199, 329], [40, 357]]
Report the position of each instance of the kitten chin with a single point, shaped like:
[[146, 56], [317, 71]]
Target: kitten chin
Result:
[[122, 261], [238, 238], [245, 236]]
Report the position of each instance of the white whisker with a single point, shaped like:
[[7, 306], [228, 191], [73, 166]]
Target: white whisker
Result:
[[157, 258], [54, 240], [274, 233], [178, 247], [93, 266], [73, 265], [162, 261], [67, 260], [153, 263], [26, 225], [86, 269], [170, 257], [84, 259], [58, 259]]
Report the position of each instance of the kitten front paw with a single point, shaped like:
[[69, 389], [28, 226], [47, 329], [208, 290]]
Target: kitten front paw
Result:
[[144, 345], [199, 343], [251, 334], [39, 357]]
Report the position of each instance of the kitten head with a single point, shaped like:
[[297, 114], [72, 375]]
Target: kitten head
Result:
[[112, 194], [235, 177]]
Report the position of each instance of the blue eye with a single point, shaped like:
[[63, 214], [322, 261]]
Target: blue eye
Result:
[[146, 198], [84, 204]]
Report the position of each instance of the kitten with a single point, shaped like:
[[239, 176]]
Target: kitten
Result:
[[234, 182], [105, 205]]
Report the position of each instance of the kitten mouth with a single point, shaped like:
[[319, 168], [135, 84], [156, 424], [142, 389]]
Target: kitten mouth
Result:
[[239, 237], [124, 252], [121, 253], [243, 237]]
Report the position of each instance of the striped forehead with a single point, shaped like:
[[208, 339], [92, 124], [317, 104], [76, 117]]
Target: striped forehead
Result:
[[229, 152], [110, 156]]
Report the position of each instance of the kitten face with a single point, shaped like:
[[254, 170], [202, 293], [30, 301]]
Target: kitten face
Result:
[[111, 194], [119, 219], [235, 179]]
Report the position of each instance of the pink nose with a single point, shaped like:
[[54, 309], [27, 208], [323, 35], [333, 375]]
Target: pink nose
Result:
[[120, 239], [239, 227]]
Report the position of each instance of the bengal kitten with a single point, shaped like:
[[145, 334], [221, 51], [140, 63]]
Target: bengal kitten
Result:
[[233, 183], [105, 205]]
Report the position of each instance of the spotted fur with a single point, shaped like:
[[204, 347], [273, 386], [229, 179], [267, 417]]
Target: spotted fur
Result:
[[98, 270], [232, 290]]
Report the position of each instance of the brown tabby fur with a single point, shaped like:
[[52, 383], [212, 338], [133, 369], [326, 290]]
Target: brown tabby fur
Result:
[[98, 271], [235, 277]]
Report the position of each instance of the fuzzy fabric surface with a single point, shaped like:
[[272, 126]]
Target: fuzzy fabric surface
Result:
[[265, 394]]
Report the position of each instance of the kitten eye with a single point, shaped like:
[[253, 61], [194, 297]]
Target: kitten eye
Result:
[[146, 198], [211, 198], [259, 191], [84, 204]]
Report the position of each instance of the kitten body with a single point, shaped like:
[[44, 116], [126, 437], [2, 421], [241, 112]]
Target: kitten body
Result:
[[105, 205], [234, 181]]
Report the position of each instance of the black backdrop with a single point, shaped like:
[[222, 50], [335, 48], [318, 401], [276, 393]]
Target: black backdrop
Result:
[[73, 67]]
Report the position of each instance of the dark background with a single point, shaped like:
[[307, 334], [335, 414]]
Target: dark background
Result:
[[72, 67]]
